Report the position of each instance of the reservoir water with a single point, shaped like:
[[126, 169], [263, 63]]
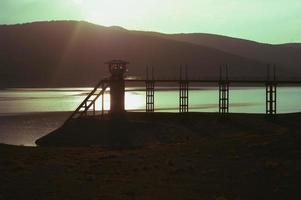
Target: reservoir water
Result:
[[26, 114]]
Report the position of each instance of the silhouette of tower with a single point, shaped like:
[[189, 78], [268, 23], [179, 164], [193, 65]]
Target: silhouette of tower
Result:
[[117, 86]]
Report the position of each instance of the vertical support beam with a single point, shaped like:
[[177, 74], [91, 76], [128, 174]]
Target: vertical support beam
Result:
[[94, 112], [271, 98], [271, 92], [223, 97], [86, 110], [184, 92], [224, 92], [102, 100], [150, 92], [150, 96]]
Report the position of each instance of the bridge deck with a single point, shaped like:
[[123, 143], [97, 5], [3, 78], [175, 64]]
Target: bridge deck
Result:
[[297, 82]]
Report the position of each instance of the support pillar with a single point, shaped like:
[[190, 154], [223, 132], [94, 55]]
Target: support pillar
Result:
[[224, 92], [271, 98], [150, 96], [150, 92], [271, 92], [184, 97], [94, 110], [223, 97], [184, 92], [103, 100]]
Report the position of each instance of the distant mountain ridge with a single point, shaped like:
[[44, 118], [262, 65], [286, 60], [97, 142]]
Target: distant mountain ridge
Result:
[[283, 55], [72, 53]]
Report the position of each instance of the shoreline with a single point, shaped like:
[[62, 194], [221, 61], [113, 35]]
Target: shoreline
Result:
[[135, 129], [24, 129], [25, 134]]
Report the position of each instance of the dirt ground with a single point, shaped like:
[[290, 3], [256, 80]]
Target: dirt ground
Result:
[[244, 157]]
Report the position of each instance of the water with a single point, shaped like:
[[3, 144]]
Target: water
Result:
[[26, 114]]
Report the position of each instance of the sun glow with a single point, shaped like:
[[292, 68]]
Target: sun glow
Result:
[[106, 12], [133, 101], [117, 12], [263, 21], [78, 1]]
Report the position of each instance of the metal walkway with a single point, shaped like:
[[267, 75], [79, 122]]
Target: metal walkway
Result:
[[88, 106]]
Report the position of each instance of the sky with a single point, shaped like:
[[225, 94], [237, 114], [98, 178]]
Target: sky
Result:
[[268, 21]]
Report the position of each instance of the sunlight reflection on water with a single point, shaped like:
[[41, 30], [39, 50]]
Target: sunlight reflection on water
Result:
[[250, 100], [19, 126]]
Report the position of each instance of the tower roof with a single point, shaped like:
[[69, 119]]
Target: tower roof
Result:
[[117, 62]]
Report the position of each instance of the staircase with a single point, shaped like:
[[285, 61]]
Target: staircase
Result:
[[89, 102]]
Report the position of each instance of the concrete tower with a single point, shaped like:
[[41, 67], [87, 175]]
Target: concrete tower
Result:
[[117, 86]]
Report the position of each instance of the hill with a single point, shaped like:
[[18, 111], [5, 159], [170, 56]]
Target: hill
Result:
[[285, 56], [72, 53]]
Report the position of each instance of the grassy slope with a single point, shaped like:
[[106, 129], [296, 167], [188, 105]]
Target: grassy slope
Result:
[[255, 163]]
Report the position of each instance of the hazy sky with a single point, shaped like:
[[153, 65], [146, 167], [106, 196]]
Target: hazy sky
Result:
[[271, 21]]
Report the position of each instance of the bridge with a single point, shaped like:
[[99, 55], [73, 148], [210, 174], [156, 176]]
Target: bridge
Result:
[[117, 81]]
